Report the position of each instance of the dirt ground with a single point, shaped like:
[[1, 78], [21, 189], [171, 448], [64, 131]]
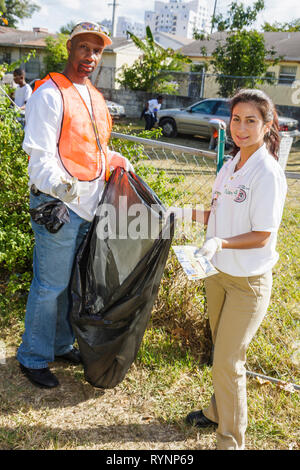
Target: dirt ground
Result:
[[76, 415]]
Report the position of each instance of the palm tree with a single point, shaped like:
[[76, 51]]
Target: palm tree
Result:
[[150, 71]]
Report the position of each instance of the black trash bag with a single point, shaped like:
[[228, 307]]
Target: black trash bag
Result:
[[116, 279], [53, 215]]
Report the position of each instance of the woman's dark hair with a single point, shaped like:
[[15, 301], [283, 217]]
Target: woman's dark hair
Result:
[[268, 112]]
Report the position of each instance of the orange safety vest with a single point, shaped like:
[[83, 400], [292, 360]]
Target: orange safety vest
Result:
[[82, 137]]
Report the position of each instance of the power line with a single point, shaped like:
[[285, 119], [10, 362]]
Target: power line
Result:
[[113, 21], [215, 7]]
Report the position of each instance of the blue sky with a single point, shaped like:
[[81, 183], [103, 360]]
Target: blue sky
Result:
[[54, 13]]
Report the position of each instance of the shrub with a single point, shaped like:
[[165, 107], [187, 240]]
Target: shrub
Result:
[[16, 238]]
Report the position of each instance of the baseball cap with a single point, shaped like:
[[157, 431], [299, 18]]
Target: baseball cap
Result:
[[94, 28]]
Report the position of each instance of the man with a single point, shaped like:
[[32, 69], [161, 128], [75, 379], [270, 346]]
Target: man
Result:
[[23, 90], [67, 129], [150, 113]]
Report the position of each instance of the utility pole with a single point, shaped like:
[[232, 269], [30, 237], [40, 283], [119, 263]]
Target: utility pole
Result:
[[215, 7], [113, 22]]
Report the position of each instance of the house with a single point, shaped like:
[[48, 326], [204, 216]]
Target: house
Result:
[[285, 74], [121, 52], [15, 44], [171, 40]]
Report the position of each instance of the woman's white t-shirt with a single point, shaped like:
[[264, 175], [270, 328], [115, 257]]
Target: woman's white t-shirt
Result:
[[250, 199]]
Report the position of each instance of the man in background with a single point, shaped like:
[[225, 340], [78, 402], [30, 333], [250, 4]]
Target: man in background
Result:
[[23, 90], [150, 112]]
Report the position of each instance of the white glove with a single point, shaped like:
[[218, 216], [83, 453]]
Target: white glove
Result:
[[210, 247], [129, 167], [66, 191], [181, 213]]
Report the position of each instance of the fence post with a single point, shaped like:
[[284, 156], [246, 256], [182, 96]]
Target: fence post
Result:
[[221, 148]]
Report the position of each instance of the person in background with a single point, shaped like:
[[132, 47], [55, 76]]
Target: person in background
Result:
[[150, 112], [23, 91], [247, 203], [67, 130]]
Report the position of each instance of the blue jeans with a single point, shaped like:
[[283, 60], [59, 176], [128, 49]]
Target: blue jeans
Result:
[[47, 328]]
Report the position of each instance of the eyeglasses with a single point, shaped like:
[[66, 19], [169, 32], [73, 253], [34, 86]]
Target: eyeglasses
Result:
[[88, 26]]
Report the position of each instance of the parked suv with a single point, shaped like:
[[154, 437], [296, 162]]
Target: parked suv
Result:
[[195, 119]]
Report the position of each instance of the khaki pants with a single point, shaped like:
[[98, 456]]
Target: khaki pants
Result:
[[236, 307]]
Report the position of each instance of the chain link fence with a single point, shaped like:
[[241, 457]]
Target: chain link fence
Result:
[[184, 176], [283, 89]]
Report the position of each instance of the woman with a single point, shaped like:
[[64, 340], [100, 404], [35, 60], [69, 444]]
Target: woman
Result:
[[247, 204]]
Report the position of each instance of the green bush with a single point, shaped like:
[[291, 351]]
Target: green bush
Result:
[[16, 238]]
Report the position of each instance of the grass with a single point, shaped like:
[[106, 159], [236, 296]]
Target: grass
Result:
[[169, 378], [145, 411], [171, 375]]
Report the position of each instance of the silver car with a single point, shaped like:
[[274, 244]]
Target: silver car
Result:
[[195, 119]]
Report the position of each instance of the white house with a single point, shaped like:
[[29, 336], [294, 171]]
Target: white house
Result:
[[170, 40]]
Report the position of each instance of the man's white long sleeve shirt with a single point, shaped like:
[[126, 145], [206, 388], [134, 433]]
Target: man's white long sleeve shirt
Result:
[[44, 111]]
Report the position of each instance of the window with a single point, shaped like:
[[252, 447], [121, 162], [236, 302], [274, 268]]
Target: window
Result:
[[5, 57], [271, 77], [287, 75], [206, 107], [223, 109], [33, 68]]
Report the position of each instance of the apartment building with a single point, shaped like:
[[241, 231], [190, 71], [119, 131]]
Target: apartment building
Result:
[[126, 24], [179, 17]]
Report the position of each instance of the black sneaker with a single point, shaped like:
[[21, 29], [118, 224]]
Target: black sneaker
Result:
[[197, 418], [40, 377]]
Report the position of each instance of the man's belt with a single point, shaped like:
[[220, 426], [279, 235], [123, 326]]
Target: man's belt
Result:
[[34, 190]]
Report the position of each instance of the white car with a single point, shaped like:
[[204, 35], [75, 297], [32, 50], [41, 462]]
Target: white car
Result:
[[116, 110]]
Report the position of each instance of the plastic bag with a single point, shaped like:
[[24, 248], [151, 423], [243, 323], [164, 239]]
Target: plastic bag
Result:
[[53, 215], [116, 277]]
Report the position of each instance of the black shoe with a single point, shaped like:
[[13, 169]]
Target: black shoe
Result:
[[73, 357], [40, 377], [197, 418]]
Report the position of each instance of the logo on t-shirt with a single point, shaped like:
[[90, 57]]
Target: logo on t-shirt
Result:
[[241, 196]]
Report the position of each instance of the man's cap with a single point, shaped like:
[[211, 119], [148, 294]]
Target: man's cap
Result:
[[93, 28]]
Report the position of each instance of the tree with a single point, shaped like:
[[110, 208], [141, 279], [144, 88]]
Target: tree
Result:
[[151, 72], [285, 27], [66, 29], [243, 53], [56, 53], [15, 10], [238, 17]]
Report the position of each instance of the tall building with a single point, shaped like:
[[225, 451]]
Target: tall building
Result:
[[125, 24], [179, 17], [107, 24]]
